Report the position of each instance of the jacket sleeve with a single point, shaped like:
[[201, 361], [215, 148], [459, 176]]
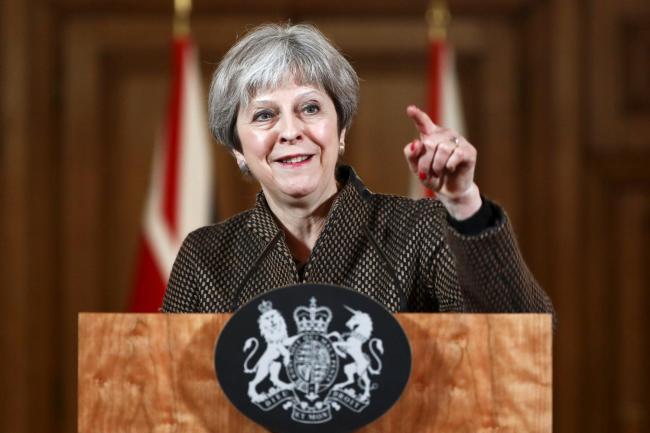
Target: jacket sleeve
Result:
[[485, 272], [182, 288]]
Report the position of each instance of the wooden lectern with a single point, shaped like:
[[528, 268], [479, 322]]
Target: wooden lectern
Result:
[[471, 373]]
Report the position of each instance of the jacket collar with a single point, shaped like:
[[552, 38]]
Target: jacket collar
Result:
[[351, 198]]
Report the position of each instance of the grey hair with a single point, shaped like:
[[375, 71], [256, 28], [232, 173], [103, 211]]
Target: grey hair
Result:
[[266, 58]]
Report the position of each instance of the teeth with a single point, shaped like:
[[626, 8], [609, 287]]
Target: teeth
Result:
[[295, 159]]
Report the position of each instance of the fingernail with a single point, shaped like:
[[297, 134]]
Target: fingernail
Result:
[[422, 175], [412, 146]]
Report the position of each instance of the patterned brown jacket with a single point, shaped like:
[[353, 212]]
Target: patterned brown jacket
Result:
[[401, 252]]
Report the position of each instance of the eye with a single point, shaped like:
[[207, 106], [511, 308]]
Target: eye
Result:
[[262, 116], [311, 108]]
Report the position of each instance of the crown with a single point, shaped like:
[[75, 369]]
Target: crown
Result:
[[312, 319], [265, 306]]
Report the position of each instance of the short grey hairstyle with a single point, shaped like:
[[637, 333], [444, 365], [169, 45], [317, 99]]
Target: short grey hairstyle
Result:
[[266, 58]]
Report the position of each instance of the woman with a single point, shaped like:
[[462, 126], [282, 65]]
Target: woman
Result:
[[282, 101]]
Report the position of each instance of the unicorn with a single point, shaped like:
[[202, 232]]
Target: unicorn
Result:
[[360, 326]]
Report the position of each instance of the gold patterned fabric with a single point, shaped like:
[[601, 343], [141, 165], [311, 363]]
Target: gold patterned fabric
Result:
[[400, 252]]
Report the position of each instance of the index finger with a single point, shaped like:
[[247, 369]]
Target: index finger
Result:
[[422, 120]]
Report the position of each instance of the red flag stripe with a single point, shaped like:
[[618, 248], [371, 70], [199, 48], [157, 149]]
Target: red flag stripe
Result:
[[437, 52], [149, 283], [170, 197]]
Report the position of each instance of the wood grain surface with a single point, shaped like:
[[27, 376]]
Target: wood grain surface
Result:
[[471, 373]]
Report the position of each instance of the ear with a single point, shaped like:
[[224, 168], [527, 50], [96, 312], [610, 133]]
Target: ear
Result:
[[342, 142], [241, 162], [239, 157]]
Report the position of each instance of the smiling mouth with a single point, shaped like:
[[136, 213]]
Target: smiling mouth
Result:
[[295, 160]]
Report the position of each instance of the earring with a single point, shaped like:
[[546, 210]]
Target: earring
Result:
[[243, 167], [341, 148]]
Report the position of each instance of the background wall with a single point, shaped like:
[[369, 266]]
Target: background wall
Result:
[[557, 99]]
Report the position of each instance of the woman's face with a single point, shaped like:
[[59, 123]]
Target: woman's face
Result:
[[290, 142]]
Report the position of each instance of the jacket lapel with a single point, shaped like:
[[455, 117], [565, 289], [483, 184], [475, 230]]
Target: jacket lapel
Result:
[[339, 246], [271, 264]]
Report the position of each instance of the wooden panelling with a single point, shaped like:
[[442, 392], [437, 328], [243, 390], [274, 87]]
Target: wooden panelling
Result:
[[632, 333], [500, 145], [14, 173], [616, 295], [28, 269], [298, 9], [562, 174], [636, 69], [617, 131], [618, 29]]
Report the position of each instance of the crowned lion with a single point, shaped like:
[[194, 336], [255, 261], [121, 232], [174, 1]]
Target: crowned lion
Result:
[[273, 329]]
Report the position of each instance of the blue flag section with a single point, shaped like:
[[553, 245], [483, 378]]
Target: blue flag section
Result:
[[313, 357]]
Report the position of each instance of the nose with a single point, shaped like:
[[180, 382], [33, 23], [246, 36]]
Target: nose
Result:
[[290, 130]]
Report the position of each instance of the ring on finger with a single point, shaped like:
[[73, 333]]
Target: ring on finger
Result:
[[455, 141]]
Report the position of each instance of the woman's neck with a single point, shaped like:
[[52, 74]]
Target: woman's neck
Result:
[[302, 222]]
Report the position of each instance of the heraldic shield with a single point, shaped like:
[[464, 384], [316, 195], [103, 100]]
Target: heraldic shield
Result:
[[313, 357]]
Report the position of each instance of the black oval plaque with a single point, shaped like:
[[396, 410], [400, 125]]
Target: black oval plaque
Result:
[[313, 357]]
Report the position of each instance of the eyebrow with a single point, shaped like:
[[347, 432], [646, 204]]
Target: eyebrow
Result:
[[302, 95]]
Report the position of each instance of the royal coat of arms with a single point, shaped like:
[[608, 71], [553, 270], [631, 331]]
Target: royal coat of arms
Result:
[[316, 370]]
